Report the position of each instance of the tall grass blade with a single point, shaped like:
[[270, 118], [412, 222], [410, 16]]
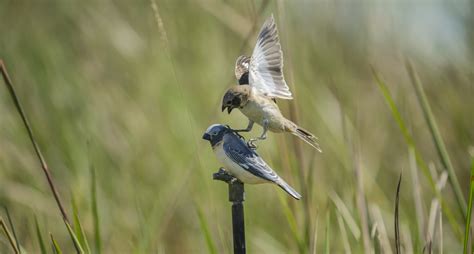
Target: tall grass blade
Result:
[[10, 221], [374, 234], [290, 217], [407, 240], [40, 237], [401, 124], [205, 230], [382, 235], [95, 212], [342, 228], [327, 244], [78, 229], [411, 144], [344, 211], [435, 210], [469, 244], [440, 185], [353, 151], [438, 140], [26, 123], [397, 220], [430, 232], [39, 155], [360, 199], [315, 236], [73, 236], [440, 226], [469, 210], [55, 245], [9, 236], [420, 217], [158, 219], [297, 146], [427, 248]]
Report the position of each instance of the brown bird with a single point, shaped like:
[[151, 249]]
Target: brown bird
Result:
[[261, 81]]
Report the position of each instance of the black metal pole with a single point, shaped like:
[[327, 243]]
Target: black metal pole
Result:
[[237, 197]]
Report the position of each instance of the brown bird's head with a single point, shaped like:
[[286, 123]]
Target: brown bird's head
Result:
[[235, 97]]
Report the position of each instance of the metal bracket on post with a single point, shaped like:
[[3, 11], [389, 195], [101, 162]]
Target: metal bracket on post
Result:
[[237, 197]]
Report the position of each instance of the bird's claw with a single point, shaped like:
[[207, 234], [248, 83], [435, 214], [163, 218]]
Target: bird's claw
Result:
[[251, 144], [223, 175]]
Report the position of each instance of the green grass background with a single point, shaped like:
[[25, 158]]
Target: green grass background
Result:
[[106, 87]]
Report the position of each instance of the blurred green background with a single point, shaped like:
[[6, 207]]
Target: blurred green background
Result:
[[129, 91]]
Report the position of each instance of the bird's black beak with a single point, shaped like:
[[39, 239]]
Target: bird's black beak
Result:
[[229, 108], [206, 136]]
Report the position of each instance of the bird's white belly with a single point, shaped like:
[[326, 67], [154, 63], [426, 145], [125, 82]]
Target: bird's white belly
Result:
[[233, 168]]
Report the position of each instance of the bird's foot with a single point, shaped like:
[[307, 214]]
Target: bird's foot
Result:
[[223, 175], [251, 143]]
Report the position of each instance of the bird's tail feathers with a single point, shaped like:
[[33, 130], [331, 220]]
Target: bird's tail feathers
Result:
[[286, 187], [307, 137]]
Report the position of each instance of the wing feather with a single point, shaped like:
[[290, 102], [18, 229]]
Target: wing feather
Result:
[[266, 64], [237, 151]]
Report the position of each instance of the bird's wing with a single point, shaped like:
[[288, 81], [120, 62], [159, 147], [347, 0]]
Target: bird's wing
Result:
[[236, 149], [242, 69], [266, 64]]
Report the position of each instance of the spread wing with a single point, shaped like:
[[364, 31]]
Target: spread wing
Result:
[[237, 150], [266, 64]]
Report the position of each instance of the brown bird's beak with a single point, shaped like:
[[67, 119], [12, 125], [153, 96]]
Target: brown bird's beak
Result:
[[229, 108]]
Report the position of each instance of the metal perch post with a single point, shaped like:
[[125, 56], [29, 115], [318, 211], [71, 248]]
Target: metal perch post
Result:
[[236, 196]]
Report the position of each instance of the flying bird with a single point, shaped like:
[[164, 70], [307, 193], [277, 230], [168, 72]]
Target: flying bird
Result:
[[241, 161], [261, 81]]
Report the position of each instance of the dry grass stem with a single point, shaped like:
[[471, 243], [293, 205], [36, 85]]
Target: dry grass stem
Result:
[[26, 123], [9, 236]]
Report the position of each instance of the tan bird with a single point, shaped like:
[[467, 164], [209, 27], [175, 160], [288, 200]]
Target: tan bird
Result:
[[261, 81]]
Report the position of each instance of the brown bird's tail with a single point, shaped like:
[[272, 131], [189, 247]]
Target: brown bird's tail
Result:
[[307, 137]]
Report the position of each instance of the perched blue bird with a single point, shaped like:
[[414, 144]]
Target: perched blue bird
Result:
[[241, 161]]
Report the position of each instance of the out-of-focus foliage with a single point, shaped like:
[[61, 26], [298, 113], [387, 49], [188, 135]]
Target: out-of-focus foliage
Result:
[[106, 87]]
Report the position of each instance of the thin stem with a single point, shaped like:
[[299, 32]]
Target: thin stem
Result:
[[44, 166], [469, 210], [9, 236], [10, 221], [360, 199], [438, 140], [397, 221], [297, 146], [411, 144]]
